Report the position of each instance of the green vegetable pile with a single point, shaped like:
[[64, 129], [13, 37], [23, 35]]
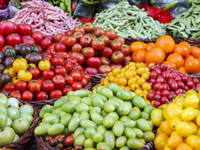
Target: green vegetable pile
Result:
[[187, 25], [107, 118], [130, 21]]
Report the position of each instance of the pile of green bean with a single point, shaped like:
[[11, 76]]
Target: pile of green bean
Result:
[[187, 25], [130, 21]]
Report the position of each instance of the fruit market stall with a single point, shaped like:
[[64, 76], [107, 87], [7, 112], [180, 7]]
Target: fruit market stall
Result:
[[112, 75]]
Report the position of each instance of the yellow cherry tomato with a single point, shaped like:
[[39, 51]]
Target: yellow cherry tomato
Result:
[[165, 127], [116, 81], [132, 64], [19, 64], [44, 65], [157, 117], [147, 101], [191, 101], [151, 64], [132, 80], [146, 69], [174, 140], [143, 96], [24, 75], [128, 74], [122, 81], [132, 68], [146, 86], [141, 81], [15, 80], [116, 71], [183, 146], [118, 75], [111, 78], [145, 76], [137, 77], [10, 71], [194, 127], [160, 141], [184, 128], [138, 91], [134, 86], [139, 64], [173, 121], [140, 70], [145, 92], [188, 114], [193, 141], [32, 65], [167, 148], [172, 110]]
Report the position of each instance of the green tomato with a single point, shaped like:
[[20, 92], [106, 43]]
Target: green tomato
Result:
[[3, 100], [3, 119], [9, 122], [139, 102], [13, 102], [13, 113], [16, 138], [45, 109], [42, 129], [26, 109], [28, 116], [124, 109], [21, 125], [7, 136], [56, 129], [60, 102]]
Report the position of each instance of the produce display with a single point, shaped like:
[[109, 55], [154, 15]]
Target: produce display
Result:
[[106, 118], [96, 49], [4, 4], [133, 77], [45, 18], [129, 21], [187, 24], [182, 56], [15, 120], [180, 124]]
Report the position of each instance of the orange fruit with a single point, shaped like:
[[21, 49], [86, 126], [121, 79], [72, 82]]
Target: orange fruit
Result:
[[170, 65], [137, 46], [188, 58], [195, 52], [150, 46], [167, 43], [192, 66], [182, 70], [155, 55], [183, 48], [139, 55], [177, 59]]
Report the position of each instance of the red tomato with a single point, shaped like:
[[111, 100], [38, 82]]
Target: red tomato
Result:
[[60, 47], [16, 94], [38, 37], [98, 44], [126, 50], [62, 38], [120, 39], [66, 89], [163, 67], [7, 28], [78, 35], [92, 71], [69, 140], [77, 67], [58, 36], [48, 74], [69, 33], [88, 52], [89, 27], [107, 52], [79, 57], [92, 36], [42, 96], [13, 39], [76, 75], [35, 73], [99, 32], [151, 96], [41, 49], [40, 80], [49, 37], [174, 85], [72, 59], [116, 66], [76, 48], [5, 47], [117, 57], [69, 79], [70, 41], [86, 41], [57, 61], [2, 41], [104, 69], [116, 45], [24, 29], [59, 81], [34, 86], [21, 86], [94, 62], [79, 29], [68, 66], [156, 104], [46, 43], [47, 85], [86, 75], [105, 61], [127, 59], [84, 82], [111, 34], [60, 70], [78, 147], [28, 40], [106, 39], [65, 55], [76, 86], [9, 87], [27, 96], [55, 94]]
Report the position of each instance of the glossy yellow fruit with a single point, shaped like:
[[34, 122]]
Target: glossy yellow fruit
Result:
[[174, 140], [172, 110], [128, 74], [183, 146], [194, 127], [193, 141], [132, 80], [139, 64], [44, 65], [167, 148], [179, 100], [19, 64], [146, 86], [165, 127], [158, 131], [191, 101], [141, 81], [140, 70], [116, 71], [157, 117], [134, 86], [191, 92], [138, 91], [145, 76], [173, 121], [184, 129], [188, 114], [32, 65], [10, 71], [198, 132], [198, 119], [122, 81], [15, 80], [160, 141], [24, 75]]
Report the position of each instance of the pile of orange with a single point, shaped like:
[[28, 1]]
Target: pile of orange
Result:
[[183, 57]]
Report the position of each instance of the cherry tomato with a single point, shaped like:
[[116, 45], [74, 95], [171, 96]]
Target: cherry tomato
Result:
[[21, 86], [127, 59], [151, 96], [62, 38], [99, 32], [35, 73], [68, 66], [164, 100], [60, 47], [160, 79], [85, 41], [195, 80], [59, 81], [174, 85], [156, 104], [76, 86], [153, 74], [106, 52], [163, 67], [117, 57], [24, 29], [94, 62], [77, 67], [55, 94], [27, 96], [41, 95], [34, 86], [60, 70], [76, 48], [78, 147], [47, 138], [156, 86], [16, 94], [190, 84], [69, 140], [57, 37], [86, 75], [69, 79], [48, 74], [49, 37], [7, 27], [70, 41], [105, 61], [57, 61], [47, 86], [116, 66], [98, 44], [69, 33], [46, 43], [66, 89]]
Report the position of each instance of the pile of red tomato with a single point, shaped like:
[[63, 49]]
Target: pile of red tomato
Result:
[[99, 51], [167, 83]]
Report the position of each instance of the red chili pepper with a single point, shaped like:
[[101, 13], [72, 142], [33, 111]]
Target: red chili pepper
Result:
[[73, 6]]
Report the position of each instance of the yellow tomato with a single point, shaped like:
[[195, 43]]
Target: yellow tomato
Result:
[[140, 70], [131, 64], [127, 88], [145, 92], [183, 146], [141, 81], [122, 81], [123, 70], [174, 140], [128, 74], [32, 65], [158, 131], [111, 78], [116, 71], [137, 77], [146, 86], [163, 106], [157, 117], [198, 119], [194, 127], [139, 64], [165, 127], [173, 121], [24, 75], [147, 101], [143, 96], [131, 67], [146, 69], [131, 80], [145, 76], [134, 86], [191, 92], [184, 128], [172, 110], [198, 132], [19, 64], [188, 114], [193, 141], [179, 100], [151, 64], [10, 71], [44, 65], [15, 80], [138, 91], [167, 148], [191, 101], [160, 141], [116, 81]]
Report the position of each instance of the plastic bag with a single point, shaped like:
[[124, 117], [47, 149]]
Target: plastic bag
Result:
[[13, 10], [138, 2], [174, 7], [4, 13]]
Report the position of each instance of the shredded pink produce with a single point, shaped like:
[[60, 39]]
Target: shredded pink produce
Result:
[[45, 18]]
